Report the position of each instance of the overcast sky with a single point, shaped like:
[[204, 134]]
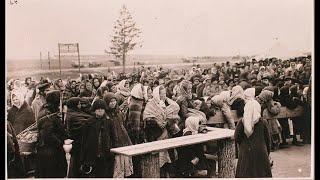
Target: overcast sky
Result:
[[180, 27]]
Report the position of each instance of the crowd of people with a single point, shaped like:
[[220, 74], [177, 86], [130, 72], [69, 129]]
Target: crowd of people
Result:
[[97, 112]]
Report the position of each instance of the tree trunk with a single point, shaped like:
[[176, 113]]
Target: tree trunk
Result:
[[150, 165], [226, 157]]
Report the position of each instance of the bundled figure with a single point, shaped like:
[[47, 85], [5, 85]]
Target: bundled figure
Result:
[[155, 116], [51, 161], [252, 136]]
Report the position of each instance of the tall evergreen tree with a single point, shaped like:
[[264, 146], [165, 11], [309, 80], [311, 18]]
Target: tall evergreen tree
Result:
[[126, 36]]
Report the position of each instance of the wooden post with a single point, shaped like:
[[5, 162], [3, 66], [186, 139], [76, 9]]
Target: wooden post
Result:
[[40, 60], [78, 56], [150, 166], [49, 59], [59, 59], [226, 157]]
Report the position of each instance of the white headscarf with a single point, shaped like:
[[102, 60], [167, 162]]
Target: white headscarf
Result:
[[137, 91], [122, 89], [191, 124], [19, 95], [252, 111], [156, 96], [249, 93]]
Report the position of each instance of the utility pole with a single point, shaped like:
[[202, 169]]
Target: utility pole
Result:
[[49, 59], [78, 55], [59, 59], [40, 60]]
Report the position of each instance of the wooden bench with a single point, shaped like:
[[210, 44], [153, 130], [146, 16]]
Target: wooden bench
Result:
[[150, 151], [284, 113]]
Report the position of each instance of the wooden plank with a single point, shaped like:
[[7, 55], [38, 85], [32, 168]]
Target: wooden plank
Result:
[[157, 143], [150, 166], [226, 156], [174, 142], [284, 113]]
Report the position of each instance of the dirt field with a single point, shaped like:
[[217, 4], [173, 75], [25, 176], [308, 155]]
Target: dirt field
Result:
[[294, 161]]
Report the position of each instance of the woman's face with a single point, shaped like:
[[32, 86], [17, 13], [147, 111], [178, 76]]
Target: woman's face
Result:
[[189, 90], [82, 89], [96, 83], [105, 92], [16, 101], [89, 86], [163, 94], [126, 85], [197, 105], [208, 102], [99, 112], [149, 92], [73, 85], [113, 103], [114, 89]]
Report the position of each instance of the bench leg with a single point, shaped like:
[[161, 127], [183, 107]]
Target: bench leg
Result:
[[226, 157], [150, 166]]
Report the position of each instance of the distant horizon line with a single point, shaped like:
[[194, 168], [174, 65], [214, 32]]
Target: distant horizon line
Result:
[[176, 55]]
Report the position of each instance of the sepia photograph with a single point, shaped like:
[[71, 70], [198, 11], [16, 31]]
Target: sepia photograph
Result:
[[159, 89]]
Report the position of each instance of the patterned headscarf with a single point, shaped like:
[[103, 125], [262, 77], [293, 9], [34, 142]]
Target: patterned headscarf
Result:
[[236, 92], [192, 124], [122, 89], [184, 86]]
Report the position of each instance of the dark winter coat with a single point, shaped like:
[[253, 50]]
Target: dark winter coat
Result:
[[253, 160], [100, 159], [134, 123], [76, 120], [21, 118], [200, 90], [184, 104], [51, 161], [14, 161], [184, 166]]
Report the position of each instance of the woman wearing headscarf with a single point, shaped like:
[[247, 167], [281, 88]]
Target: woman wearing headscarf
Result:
[[50, 158], [20, 114], [265, 100], [96, 82], [155, 116], [71, 89], [208, 89], [184, 101], [134, 123], [191, 159], [253, 139], [75, 120], [236, 92], [123, 91], [97, 139], [58, 85], [297, 122], [221, 101], [86, 89], [100, 93], [123, 166]]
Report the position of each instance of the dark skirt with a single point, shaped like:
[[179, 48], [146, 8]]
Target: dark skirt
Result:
[[253, 160], [51, 163]]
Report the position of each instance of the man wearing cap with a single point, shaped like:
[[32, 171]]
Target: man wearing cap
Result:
[[39, 100]]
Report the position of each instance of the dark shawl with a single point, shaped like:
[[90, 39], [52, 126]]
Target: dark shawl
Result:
[[21, 118]]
